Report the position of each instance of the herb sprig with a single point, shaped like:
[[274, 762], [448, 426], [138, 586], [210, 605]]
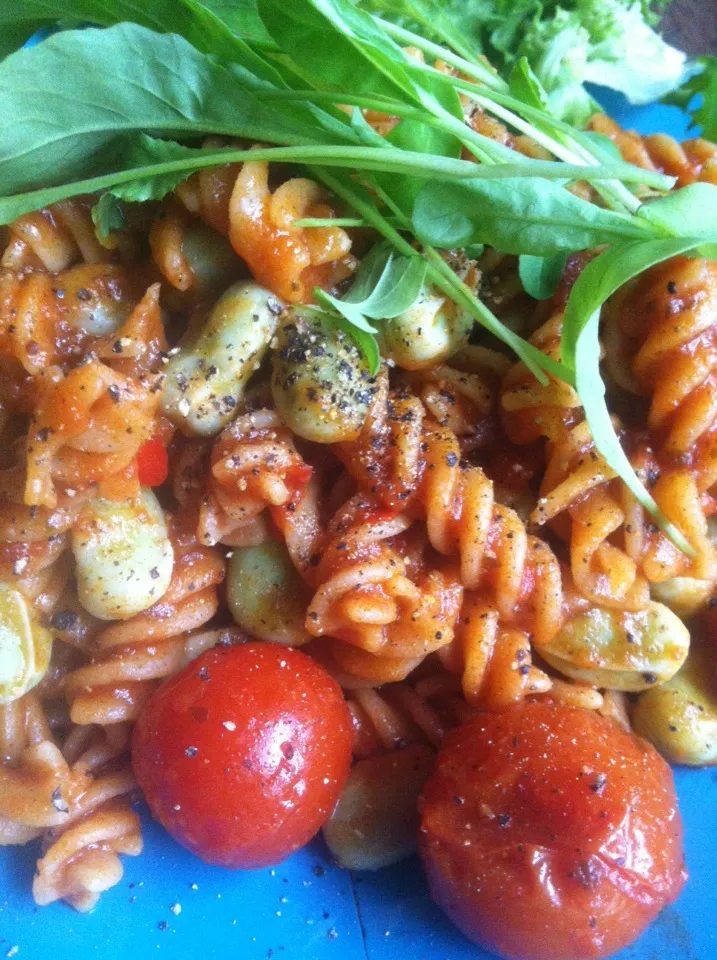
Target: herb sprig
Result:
[[175, 71]]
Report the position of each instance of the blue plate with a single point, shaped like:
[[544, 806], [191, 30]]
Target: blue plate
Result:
[[171, 905]]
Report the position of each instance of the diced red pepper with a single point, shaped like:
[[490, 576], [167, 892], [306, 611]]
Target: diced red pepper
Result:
[[152, 465]]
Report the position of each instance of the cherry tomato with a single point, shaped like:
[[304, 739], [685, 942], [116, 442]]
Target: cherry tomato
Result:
[[242, 756], [550, 834], [152, 465]]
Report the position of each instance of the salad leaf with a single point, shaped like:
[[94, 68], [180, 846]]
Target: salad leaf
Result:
[[519, 216], [540, 276], [386, 285], [194, 19], [694, 207], [567, 42], [107, 215], [608, 42], [525, 86], [348, 52], [148, 82], [431, 19]]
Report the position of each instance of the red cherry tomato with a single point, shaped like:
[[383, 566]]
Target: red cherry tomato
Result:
[[242, 756], [550, 834], [152, 467]]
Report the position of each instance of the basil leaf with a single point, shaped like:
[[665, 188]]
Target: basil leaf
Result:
[[580, 350], [524, 215], [540, 276], [693, 207]]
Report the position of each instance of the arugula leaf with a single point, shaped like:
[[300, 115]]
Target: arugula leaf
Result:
[[148, 81], [525, 86], [432, 18], [242, 17], [14, 35], [518, 216], [386, 285], [212, 26], [107, 215], [580, 349], [366, 342], [694, 207], [144, 151], [540, 276], [348, 52]]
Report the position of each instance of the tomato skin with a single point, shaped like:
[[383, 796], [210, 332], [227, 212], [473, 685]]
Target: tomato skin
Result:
[[243, 754], [152, 463], [534, 855]]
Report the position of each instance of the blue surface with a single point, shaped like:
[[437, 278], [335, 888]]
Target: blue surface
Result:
[[308, 909]]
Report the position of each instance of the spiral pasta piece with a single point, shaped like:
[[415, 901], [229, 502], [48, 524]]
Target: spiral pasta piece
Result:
[[377, 597], [289, 260], [54, 238], [662, 332], [80, 858], [254, 465], [690, 162], [129, 657], [615, 548]]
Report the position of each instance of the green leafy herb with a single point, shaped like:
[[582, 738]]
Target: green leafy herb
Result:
[[540, 276], [693, 207], [431, 19], [148, 81], [107, 215], [521, 216], [525, 85], [567, 42], [386, 285]]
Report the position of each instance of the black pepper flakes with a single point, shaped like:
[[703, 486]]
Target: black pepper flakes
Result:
[[599, 784], [59, 802], [65, 620]]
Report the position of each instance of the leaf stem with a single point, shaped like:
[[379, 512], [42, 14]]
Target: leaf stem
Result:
[[366, 158], [477, 70]]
